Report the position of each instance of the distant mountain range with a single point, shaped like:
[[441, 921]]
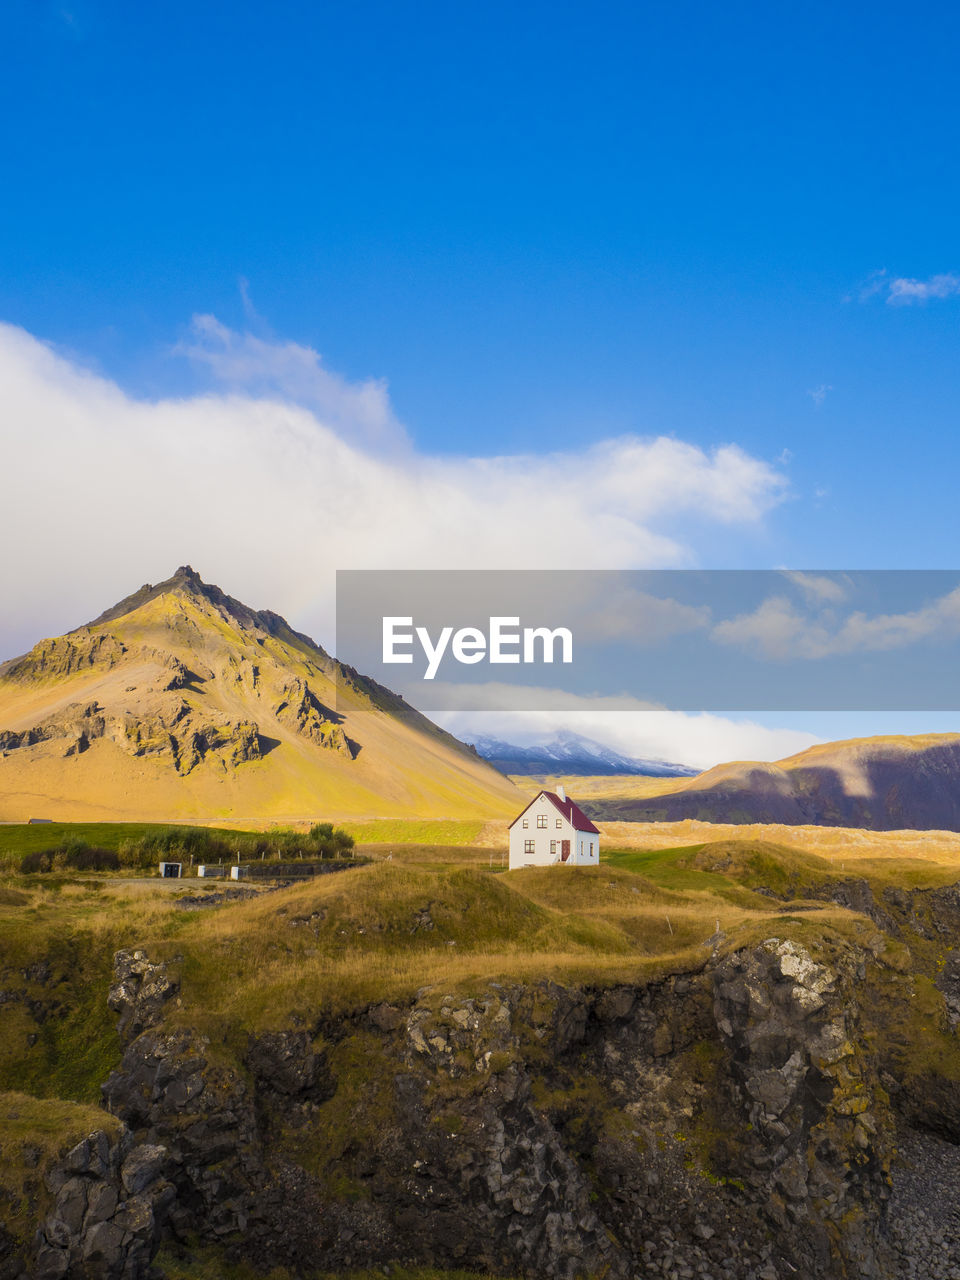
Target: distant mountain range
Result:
[[882, 784], [571, 753]]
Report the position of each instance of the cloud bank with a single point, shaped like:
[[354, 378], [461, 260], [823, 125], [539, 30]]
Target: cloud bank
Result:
[[700, 740], [780, 631], [289, 472]]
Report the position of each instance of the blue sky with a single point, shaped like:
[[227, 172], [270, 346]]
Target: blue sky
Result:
[[536, 228]]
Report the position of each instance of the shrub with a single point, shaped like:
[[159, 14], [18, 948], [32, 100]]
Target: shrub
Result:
[[74, 853], [134, 855], [329, 840], [90, 859], [38, 860], [173, 844], [343, 840]]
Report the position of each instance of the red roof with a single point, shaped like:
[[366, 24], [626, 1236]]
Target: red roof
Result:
[[571, 811]]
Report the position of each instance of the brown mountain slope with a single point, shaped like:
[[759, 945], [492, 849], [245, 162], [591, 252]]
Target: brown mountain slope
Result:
[[883, 784], [182, 703]]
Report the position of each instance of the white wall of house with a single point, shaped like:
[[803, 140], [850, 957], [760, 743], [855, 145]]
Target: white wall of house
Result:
[[537, 836], [588, 847]]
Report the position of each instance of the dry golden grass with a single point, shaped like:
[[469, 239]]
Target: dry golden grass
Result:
[[48, 1124], [843, 846], [389, 929], [442, 915], [600, 786]]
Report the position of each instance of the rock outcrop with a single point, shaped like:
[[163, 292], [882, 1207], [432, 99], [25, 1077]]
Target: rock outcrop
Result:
[[170, 731], [302, 710], [815, 1143], [170, 1088], [109, 1209], [83, 650], [138, 993]]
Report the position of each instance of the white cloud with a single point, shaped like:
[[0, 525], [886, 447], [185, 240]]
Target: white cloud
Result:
[[268, 497], [700, 740], [904, 291], [876, 282], [775, 629], [778, 630], [938, 620], [625, 613], [817, 587], [819, 394], [361, 412]]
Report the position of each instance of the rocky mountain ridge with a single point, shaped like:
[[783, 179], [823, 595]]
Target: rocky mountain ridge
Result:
[[199, 705]]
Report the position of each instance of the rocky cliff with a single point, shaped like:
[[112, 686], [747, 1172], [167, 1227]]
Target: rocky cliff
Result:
[[735, 1122], [775, 1103]]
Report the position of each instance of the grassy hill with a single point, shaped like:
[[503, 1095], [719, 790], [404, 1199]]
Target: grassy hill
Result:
[[884, 783], [391, 928]]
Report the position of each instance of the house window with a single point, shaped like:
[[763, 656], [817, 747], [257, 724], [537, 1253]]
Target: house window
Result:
[[541, 820], [526, 823], [528, 846], [559, 822], [553, 846], [581, 848]]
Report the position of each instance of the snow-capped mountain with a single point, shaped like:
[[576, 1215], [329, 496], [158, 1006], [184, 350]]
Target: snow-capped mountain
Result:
[[571, 753]]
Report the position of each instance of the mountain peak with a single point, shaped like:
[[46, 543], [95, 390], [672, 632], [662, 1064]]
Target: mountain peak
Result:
[[187, 582], [187, 574]]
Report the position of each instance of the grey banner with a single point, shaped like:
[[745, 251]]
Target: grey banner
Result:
[[687, 640]]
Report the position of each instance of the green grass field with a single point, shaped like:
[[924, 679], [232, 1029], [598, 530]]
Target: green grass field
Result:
[[724, 866], [141, 846], [18, 839], [753, 863], [410, 831]]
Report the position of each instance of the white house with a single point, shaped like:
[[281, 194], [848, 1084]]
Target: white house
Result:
[[553, 829]]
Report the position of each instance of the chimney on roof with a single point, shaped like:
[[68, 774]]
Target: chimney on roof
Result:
[[562, 794]]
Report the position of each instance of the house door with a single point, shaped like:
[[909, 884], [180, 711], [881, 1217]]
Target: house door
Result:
[[564, 850]]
